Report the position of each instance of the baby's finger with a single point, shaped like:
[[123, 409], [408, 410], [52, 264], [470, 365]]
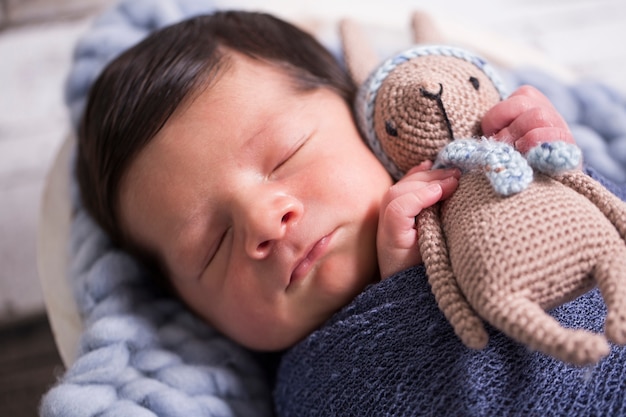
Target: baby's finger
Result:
[[430, 175], [505, 112], [448, 186], [533, 119], [402, 187], [399, 214], [532, 93], [424, 166], [505, 136], [448, 179], [541, 135], [502, 114]]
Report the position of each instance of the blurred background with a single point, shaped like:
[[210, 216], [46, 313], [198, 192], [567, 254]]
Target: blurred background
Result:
[[36, 41], [584, 37]]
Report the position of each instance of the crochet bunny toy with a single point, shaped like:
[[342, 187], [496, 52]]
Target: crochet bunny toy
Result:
[[510, 243]]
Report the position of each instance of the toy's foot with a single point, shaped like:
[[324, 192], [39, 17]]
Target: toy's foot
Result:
[[526, 322], [615, 327], [609, 274], [582, 348], [474, 336]]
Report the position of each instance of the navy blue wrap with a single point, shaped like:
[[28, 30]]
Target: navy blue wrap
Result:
[[391, 352]]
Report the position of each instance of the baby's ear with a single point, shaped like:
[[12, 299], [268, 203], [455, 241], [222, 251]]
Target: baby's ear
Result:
[[360, 56], [425, 29]]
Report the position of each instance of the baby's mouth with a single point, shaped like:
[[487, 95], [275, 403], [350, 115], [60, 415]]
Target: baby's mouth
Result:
[[310, 258]]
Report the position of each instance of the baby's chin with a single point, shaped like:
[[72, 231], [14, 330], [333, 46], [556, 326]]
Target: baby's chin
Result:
[[330, 286], [276, 340], [288, 331]]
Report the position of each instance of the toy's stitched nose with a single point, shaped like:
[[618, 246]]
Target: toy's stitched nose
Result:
[[433, 96], [437, 97]]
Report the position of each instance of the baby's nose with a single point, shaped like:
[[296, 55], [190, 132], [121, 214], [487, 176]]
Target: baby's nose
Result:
[[268, 222]]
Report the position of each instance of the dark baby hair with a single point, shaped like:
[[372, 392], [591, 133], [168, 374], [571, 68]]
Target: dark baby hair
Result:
[[139, 91]]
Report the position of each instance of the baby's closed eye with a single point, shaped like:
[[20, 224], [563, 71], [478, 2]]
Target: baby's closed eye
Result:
[[214, 247], [291, 151]]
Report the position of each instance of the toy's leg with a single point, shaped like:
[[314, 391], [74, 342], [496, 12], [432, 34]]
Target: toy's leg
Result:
[[610, 274], [526, 322], [466, 323]]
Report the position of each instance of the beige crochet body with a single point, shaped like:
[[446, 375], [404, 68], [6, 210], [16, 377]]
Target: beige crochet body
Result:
[[512, 257]]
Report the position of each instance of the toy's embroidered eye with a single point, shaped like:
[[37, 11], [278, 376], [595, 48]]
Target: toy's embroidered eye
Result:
[[391, 129], [475, 83]]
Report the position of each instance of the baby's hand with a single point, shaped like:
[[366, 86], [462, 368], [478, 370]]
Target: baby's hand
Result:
[[525, 119], [397, 239]]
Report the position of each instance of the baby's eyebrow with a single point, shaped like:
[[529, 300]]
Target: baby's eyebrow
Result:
[[258, 137], [184, 251]]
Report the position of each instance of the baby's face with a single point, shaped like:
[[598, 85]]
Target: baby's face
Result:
[[263, 204]]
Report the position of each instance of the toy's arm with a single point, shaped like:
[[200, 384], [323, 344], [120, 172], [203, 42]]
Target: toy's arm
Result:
[[466, 323], [608, 203], [553, 158]]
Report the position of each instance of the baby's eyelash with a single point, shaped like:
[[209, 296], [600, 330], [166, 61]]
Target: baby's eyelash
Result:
[[214, 250], [299, 144]]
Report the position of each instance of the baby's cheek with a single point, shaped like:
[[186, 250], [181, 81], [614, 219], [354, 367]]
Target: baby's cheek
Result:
[[255, 327]]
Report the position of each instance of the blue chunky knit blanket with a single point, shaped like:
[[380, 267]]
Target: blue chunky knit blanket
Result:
[[392, 352], [142, 354]]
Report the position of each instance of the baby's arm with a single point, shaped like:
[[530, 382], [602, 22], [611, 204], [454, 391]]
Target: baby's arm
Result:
[[525, 119], [397, 239]]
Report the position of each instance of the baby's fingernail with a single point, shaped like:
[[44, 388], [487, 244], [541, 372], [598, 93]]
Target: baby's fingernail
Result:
[[434, 189], [455, 172]]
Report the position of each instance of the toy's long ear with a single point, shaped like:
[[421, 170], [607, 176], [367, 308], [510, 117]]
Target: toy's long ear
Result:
[[425, 30], [360, 56]]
